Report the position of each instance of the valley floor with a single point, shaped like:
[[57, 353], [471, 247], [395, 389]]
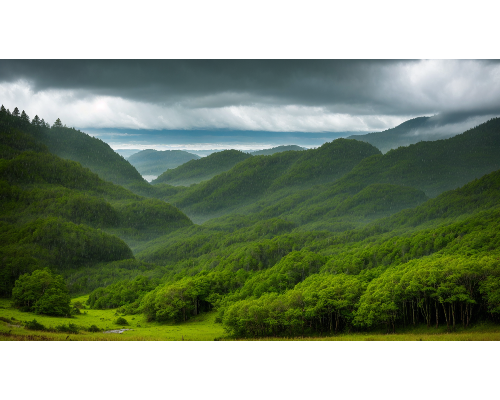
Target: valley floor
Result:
[[201, 328]]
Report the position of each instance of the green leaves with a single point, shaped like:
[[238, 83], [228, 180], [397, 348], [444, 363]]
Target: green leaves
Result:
[[42, 292]]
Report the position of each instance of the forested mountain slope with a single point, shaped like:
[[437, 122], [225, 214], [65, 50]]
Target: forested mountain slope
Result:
[[53, 210], [90, 152], [437, 166], [155, 162], [258, 176], [278, 149], [410, 132], [294, 282], [203, 169]]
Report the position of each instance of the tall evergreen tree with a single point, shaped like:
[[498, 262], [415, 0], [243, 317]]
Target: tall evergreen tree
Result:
[[25, 117], [57, 124], [2, 109], [36, 121], [15, 113]]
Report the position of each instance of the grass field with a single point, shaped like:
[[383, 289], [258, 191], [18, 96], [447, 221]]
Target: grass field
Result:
[[200, 328]]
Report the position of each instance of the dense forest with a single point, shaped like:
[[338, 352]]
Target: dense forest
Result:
[[341, 238]]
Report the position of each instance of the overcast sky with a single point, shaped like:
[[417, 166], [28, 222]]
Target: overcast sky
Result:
[[251, 95]]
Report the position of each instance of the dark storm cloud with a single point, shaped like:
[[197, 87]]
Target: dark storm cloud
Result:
[[267, 95], [346, 84]]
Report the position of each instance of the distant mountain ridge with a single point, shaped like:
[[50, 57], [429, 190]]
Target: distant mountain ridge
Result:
[[155, 162], [405, 134], [278, 149]]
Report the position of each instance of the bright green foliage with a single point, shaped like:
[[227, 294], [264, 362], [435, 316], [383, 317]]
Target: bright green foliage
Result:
[[42, 292], [121, 294]]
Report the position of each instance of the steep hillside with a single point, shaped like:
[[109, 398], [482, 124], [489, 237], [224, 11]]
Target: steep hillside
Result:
[[410, 132], [479, 195], [90, 152], [196, 171], [277, 149], [55, 213], [276, 176], [434, 167], [155, 162]]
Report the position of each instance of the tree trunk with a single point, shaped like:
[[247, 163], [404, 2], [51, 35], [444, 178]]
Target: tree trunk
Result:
[[453, 314], [437, 315], [446, 318]]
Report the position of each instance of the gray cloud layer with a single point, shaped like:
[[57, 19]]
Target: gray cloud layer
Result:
[[316, 95]]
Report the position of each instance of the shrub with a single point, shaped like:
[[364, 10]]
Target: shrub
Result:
[[70, 328], [121, 321], [93, 328], [34, 325]]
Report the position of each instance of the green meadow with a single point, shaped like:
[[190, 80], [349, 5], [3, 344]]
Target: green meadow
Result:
[[200, 328]]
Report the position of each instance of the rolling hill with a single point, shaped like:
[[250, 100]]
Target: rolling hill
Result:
[[196, 171], [155, 162]]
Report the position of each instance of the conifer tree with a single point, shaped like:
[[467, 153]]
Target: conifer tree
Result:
[[36, 121], [2, 109], [25, 117], [15, 113], [57, 124]]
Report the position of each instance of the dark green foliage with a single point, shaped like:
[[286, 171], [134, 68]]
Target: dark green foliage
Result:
[[70, 328], [154, 162], [121, 321], [327, 163], [378, 198], [34, 325], [278, 149], [480, 194], [42, 292], [93, 328], [151, 214], [196, 171], [50, 209], [91, 153], [434, 167], [39, 168], [260, 175]]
